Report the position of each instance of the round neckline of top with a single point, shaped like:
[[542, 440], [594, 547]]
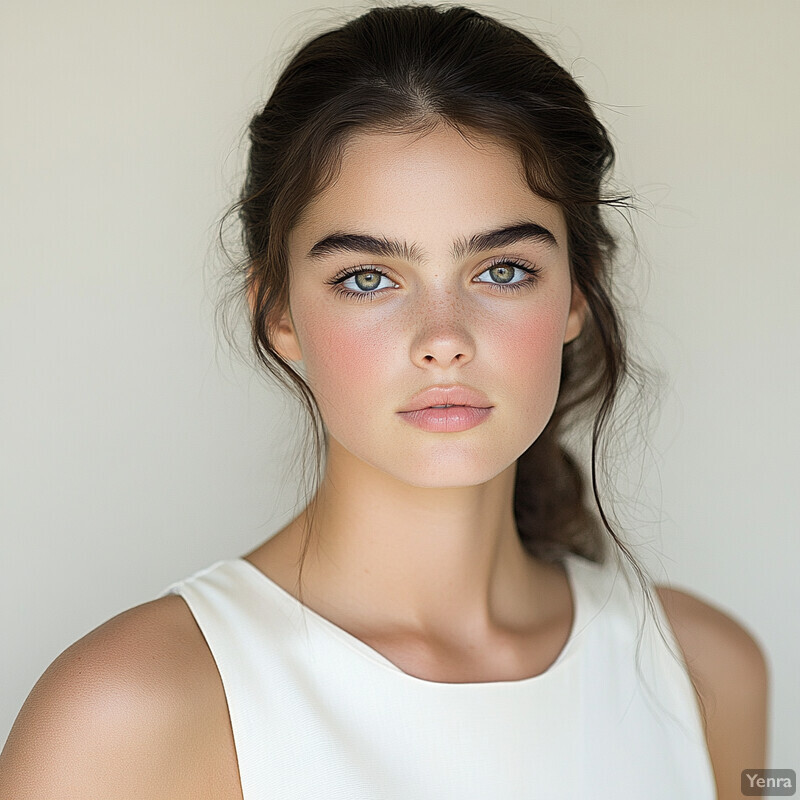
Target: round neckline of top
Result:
[[365, 650]]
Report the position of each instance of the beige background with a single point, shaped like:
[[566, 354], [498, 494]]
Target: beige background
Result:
[[135, 451]]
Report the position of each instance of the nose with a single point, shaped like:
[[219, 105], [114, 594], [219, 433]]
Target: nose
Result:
[[441, 337]]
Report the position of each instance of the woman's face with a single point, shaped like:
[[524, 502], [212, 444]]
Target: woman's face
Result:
[[440, 315]]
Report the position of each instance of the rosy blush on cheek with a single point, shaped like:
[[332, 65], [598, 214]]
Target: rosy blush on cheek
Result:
[[348, 359], [527, 353], [346, 365], [532, 338]]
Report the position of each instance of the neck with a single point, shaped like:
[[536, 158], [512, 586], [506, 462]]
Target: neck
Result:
[[436, 562]]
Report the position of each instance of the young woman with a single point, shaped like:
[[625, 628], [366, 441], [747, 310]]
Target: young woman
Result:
[[428, 268]]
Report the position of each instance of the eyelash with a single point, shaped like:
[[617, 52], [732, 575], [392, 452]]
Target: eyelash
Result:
[[532, 278]]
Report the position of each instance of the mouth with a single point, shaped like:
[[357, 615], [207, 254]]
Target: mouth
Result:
[[456, 405], [450, 418], [447, 397], [449, 405]]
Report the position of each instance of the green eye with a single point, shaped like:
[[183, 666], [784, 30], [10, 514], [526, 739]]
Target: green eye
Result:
[[505, 266]]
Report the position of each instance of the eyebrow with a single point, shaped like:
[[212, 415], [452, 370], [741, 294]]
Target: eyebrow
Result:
[[341, 242]]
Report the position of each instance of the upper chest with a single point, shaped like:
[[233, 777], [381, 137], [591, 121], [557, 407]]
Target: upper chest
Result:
[[215, 767]]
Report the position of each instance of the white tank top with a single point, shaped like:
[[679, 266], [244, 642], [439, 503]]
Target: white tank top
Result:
[[317, 713]]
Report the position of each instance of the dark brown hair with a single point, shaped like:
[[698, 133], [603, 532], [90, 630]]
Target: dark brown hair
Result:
[[409, 68]]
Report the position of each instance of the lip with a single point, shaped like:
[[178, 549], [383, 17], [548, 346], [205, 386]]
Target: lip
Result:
[[446, 420], [456, 394]]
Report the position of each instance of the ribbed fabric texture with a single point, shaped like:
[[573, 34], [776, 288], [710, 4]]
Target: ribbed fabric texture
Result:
[[317, 713]]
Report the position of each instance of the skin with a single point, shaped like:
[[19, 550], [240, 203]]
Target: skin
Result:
[[415, 529], [417, 550]]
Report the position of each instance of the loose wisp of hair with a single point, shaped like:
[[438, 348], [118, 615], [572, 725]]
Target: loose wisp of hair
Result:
[[408, 69]]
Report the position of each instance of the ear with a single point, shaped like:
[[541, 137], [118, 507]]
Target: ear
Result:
[[577, 314], [284, 337]]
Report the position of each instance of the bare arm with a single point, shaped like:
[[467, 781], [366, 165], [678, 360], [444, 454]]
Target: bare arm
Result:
[[730, 673], [107, 719]]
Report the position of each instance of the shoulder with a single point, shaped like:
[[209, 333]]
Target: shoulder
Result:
[[730, 673], [119, 713]]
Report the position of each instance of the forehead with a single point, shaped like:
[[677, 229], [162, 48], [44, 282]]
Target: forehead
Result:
[[437, 183]]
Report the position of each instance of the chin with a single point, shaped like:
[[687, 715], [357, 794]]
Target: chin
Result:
[[444, 473]]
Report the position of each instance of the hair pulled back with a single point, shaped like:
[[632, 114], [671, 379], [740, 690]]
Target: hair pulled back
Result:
[[409, 68]]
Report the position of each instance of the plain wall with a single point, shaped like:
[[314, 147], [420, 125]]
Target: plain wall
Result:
[[135, 450]]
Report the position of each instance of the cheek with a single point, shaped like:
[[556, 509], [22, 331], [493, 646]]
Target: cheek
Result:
[[344, 364], [528, 352]]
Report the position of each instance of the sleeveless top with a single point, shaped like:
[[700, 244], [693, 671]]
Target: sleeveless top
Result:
[[317, 713]]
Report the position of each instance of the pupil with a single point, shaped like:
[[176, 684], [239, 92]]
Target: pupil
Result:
[[370, 285], [502, 269]]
